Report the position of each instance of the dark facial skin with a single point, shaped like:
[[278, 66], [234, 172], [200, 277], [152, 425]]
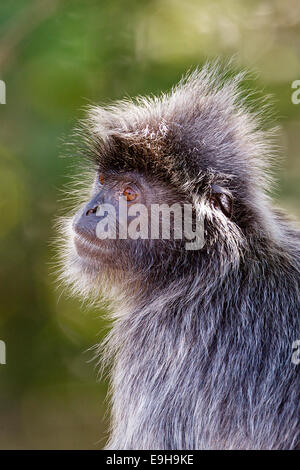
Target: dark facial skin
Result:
[[108, 188], [133, 257]]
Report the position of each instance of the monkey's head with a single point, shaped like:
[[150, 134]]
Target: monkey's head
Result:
[[199, 147]]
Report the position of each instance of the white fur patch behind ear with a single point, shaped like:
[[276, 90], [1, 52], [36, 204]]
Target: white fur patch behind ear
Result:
[[217, 226]]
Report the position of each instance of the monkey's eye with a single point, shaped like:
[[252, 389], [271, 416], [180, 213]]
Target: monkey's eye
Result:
[[101, 179], [129, 193]]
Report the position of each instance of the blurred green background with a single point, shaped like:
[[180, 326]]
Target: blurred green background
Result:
[[55, 57]]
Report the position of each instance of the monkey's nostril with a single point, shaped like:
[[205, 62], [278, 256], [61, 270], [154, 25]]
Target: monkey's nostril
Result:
[[92, 211]]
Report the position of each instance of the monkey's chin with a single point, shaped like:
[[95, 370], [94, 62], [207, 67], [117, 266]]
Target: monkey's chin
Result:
[[92, 254], [90, 276]]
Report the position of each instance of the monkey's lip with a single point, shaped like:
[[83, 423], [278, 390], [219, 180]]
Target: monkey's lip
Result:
[[87, 248]]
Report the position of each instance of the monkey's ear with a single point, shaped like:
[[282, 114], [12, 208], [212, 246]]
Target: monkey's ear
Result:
[[221, 199]]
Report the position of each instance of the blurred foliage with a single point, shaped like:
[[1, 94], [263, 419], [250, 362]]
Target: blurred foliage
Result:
[[55, 57]]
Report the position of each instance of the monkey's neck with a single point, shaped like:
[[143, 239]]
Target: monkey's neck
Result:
[[183, 360], [152, 348]]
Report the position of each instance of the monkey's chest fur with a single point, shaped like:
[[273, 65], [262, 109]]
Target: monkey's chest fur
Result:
[[205, 360], [210, 376]]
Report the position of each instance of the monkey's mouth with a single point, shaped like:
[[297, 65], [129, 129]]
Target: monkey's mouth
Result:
[[93, 250]]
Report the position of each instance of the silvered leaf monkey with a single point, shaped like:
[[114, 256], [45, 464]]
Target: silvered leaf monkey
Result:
[[201, 345]]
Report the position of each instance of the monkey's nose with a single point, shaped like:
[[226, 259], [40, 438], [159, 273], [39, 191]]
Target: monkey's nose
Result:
[[93, 210]]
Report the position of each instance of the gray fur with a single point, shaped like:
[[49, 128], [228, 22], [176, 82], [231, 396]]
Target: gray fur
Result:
[[201, 344]]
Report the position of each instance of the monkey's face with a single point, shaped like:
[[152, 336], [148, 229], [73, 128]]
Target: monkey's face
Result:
[[195, 145], [138, 230], [117, 237]]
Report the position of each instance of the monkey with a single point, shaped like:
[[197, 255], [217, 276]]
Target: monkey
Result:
[[200, 349]]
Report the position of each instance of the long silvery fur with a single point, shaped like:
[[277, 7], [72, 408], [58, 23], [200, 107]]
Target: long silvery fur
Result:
[[201, 346]]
